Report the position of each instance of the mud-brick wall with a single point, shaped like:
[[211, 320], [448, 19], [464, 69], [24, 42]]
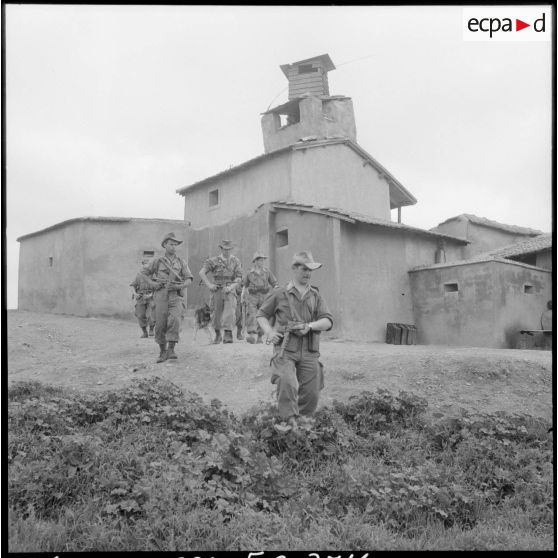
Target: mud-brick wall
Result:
[[249, 233], [93, 263], [51, 272], [480, 304], [112, 255]]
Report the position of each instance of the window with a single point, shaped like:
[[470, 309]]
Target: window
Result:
[[213, 198], [451, 288], [282, 238], [50, 261], [148, 253], [290, 114], [528, 289], [306, 69]]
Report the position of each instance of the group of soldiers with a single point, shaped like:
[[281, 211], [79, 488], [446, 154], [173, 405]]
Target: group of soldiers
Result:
[[290, 317]]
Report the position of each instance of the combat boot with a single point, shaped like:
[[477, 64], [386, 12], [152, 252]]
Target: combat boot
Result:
[[218, 337], [170, 352], [228, 338], [250, 338], [239, 335], [151, 331], [144, 333], [163, 353]]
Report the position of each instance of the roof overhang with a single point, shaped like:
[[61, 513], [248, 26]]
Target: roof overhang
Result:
[[323, 58], [399, 196]]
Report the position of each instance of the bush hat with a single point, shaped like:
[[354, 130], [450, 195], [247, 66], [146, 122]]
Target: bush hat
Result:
[[170, 236], [305, 258], [258, 254], [226, 244]]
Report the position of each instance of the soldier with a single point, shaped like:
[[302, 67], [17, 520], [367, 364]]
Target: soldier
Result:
[[300, 314], [144, 309], [170, 276], [226, 270], [257, 284]]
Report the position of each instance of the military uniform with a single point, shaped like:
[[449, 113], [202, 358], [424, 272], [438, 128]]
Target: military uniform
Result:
[[223, 305], [298, 374], [169, 302], [145, 305], [257, 284]]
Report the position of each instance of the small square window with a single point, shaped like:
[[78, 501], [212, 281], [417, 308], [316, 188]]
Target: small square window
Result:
[[528, 289], [213, 198], [282, 238], [50, 261], [306, 69], [148, 253], [451, 288]]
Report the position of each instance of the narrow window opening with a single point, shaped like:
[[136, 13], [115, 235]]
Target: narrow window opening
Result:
[[148, 253], [50, 261], [213, 198], [290, 116], [451, 288], [528, 289], [282, 238], [306, 69]]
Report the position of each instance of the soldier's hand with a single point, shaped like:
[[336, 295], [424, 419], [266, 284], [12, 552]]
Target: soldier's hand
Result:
[[274, 337], [212, 287]]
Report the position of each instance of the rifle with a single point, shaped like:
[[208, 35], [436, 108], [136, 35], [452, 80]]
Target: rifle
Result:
[[291, 327]]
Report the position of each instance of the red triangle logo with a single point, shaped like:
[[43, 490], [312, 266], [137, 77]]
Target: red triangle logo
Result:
[[519, 25]]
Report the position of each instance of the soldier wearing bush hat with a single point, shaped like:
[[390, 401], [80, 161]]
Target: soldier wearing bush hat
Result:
[[300, 314], [170, 275], [226, 272], [257, 285]]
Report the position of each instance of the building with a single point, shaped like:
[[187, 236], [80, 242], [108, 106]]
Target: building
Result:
[[316, 188], [84, 266]]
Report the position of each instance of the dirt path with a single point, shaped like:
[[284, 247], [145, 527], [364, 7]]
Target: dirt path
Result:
[[98, 354]]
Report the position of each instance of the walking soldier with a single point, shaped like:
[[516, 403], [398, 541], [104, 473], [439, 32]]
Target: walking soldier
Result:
[[170, 276], [300, 314], [257, 284], [226, 271], [145, 307]]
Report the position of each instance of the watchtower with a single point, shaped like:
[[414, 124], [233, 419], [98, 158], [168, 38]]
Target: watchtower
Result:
[[311, 112], [308, 76]]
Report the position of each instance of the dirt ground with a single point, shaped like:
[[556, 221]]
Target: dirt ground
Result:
[[99, 354]]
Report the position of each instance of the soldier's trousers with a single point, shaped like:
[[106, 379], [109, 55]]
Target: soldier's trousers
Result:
[[169, 310], [253, 303], [145, 312], [299, 377], [223, 309], [239, 323]]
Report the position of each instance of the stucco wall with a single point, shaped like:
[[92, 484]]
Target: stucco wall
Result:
[[488, 308], [336, 176], [375, 284], [56, 289], [93, 264], [544, 259], [482, 239], [318, 118], [248, 233], [239, 192]]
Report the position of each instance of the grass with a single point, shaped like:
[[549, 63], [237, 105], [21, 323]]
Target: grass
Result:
[[152, 468]]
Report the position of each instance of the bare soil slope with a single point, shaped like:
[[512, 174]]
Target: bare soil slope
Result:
[[99, 354]]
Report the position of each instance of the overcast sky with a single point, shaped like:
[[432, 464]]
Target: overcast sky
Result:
[[110, 109]]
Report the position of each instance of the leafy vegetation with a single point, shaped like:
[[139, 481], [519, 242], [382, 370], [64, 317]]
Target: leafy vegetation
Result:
[[152, 468]]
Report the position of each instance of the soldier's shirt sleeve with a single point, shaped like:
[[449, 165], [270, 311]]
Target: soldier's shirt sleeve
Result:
[[208, 265], [238, 269], [272, 280], [187, 274], [322, 310], [152, 268], [268, 307], [246, 281]]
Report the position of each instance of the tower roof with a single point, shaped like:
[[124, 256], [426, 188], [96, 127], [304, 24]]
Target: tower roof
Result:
[[325, 60]]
